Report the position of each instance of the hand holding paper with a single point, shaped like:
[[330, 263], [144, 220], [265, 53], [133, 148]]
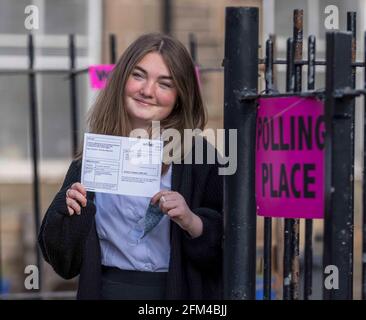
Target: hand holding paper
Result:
[[121, 165]]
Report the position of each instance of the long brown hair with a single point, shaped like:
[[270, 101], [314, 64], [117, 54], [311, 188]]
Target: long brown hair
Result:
[[109, 115]]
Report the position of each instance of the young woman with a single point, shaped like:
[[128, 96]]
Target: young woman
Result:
[[92, 234]]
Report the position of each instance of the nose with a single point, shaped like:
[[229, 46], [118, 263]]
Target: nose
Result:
[[147, 89]]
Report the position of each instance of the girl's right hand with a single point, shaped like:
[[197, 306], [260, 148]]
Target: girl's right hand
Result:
[[75, 197]]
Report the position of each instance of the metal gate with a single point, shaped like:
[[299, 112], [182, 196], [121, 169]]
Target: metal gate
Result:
[[241, 68]]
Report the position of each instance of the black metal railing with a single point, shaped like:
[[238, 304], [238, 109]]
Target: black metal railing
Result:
[[71, 74], [241, 72]]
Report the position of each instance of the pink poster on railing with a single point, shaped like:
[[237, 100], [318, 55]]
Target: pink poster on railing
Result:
[[290, 173], [98, 75]]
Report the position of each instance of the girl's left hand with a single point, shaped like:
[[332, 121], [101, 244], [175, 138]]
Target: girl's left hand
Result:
[[174, 205]]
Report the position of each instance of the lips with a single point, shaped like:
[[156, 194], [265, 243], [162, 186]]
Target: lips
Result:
[[144, 103]]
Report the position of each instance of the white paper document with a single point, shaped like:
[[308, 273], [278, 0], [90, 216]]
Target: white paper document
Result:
[[121, 165]]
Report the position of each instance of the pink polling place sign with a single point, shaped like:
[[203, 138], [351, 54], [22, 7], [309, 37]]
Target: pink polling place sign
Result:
[[98, 75], [290, 173]]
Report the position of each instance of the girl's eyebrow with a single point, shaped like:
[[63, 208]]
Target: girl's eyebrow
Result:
[[145, 72]]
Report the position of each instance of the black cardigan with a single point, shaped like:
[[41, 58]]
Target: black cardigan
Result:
[[71, 245]]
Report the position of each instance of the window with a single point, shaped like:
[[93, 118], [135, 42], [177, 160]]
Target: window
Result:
[[57, 20]]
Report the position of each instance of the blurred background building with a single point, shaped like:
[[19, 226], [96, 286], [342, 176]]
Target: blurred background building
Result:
[[92, 21]]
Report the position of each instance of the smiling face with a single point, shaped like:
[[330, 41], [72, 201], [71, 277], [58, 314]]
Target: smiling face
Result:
[[150, 93]]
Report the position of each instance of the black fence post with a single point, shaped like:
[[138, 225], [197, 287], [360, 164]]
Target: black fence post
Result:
[[167, 16], [241, 76], [352, 27], [73, 97], [193, 47], [113, 48], [34, 135], [267, 246], [295, 265], [338, 231], [288, 223], [308, 255]]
